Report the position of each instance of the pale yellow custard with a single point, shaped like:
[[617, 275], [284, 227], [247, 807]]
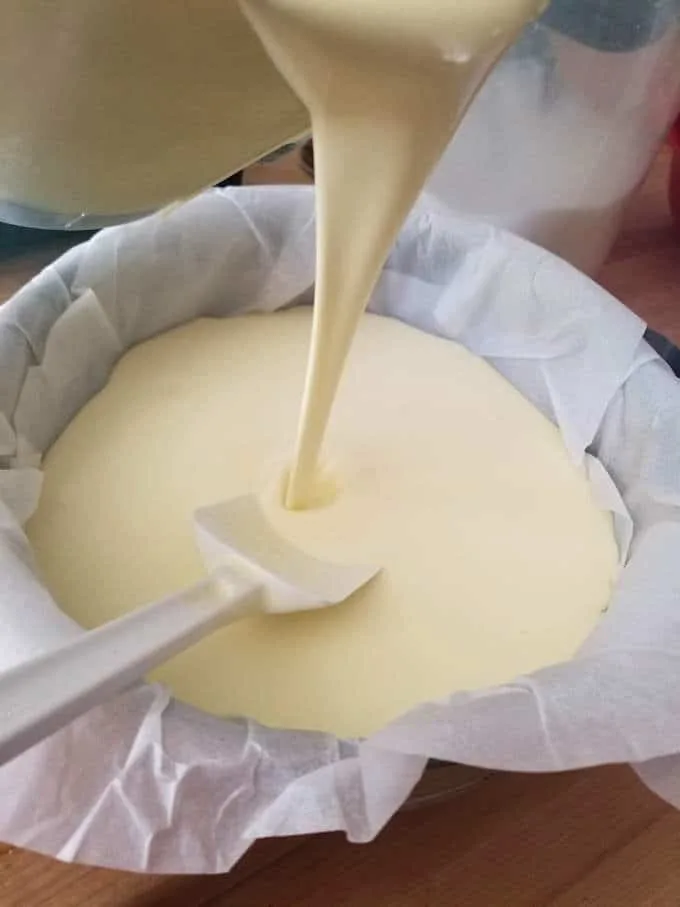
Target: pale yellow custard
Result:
[[496, 559]]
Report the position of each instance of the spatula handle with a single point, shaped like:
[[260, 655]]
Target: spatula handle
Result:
[[41, 696]]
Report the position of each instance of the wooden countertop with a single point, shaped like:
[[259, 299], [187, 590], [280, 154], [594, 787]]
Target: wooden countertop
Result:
[[588, 838]]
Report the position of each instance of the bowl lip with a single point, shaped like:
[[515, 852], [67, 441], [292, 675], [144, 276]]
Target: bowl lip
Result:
[[14, 214]]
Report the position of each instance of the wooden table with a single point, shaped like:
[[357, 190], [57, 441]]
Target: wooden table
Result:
[[589, 838]]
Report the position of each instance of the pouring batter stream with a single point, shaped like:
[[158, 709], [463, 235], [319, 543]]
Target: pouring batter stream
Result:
[[386, 86]]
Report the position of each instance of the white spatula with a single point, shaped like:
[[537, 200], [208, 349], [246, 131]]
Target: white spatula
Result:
[[254, 571]]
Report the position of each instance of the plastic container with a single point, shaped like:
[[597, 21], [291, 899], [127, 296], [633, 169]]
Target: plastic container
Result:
[[114, 109], [568, 124]]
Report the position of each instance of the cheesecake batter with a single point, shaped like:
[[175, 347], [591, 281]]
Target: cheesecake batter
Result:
[[496, 559], [386, 85], [117, 107]]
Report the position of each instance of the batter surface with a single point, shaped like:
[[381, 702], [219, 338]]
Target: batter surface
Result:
[[497, 560]]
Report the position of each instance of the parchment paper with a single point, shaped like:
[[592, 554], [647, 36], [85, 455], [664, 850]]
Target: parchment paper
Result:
[[146, 783]]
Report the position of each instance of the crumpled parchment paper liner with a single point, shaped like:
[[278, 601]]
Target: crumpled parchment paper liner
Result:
[[146, 783]]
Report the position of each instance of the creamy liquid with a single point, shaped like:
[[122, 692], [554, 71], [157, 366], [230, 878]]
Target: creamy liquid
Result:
[[116, 106], [496, 559], [386, 85]]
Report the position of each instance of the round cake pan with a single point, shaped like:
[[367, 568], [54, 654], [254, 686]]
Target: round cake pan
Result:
[[159, 787]]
